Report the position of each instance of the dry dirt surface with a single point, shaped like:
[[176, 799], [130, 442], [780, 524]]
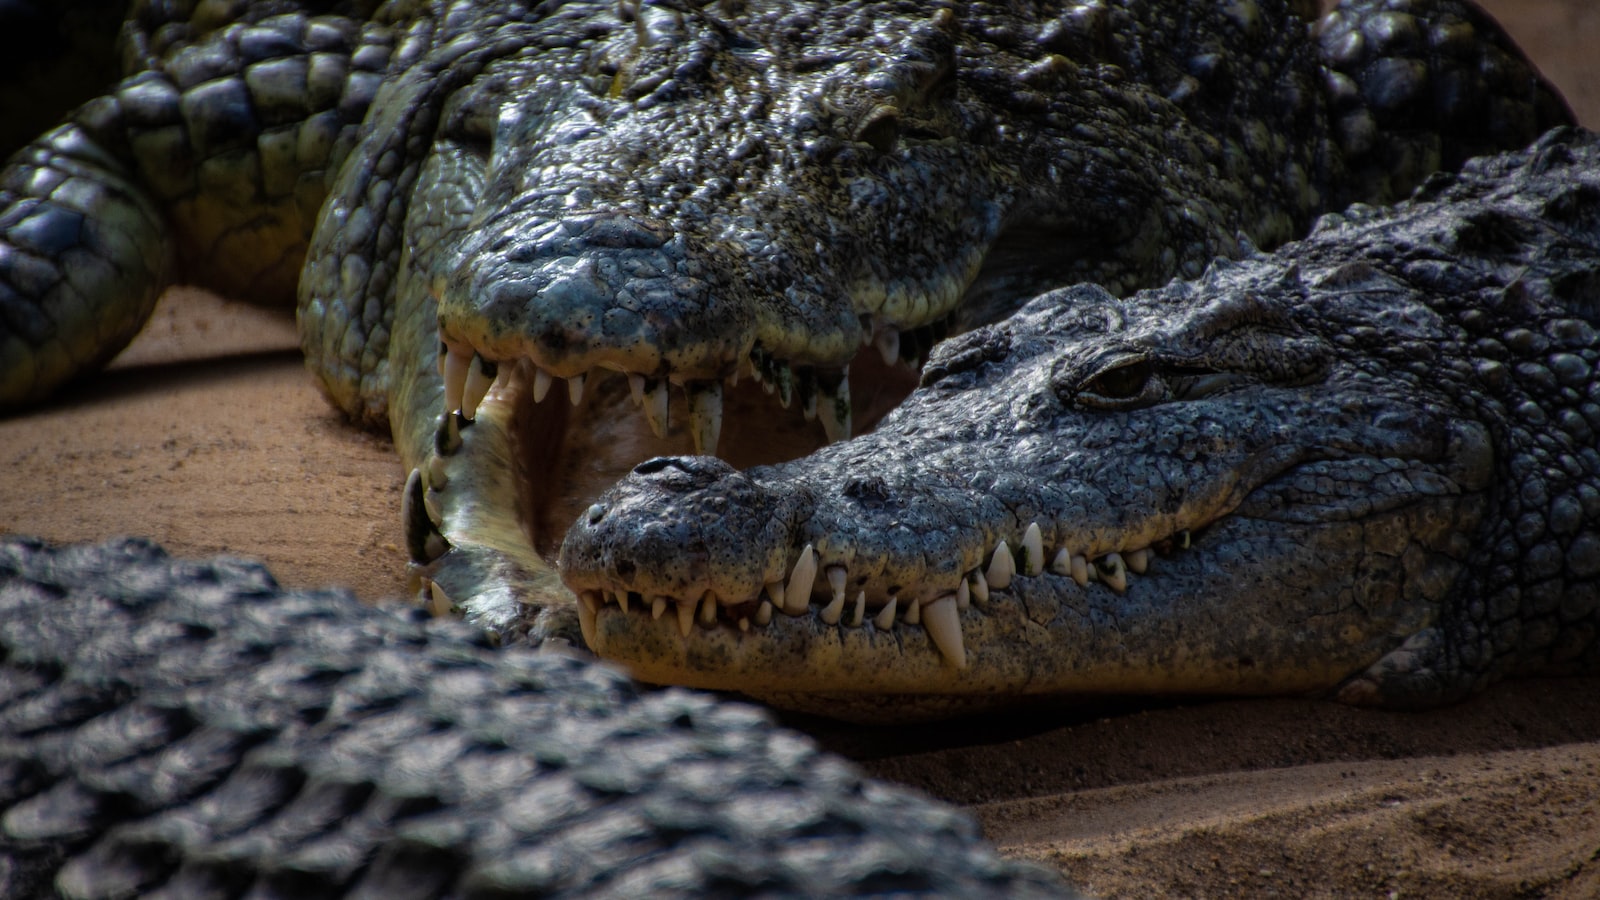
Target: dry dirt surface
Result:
[[208, 436]]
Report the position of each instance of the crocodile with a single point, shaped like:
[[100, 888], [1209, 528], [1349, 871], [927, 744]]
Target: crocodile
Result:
[[1365, 466], [480, 203], [188, 728]]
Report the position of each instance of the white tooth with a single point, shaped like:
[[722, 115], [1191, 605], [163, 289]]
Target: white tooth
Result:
[[764, 614], [588, 608], [884, 620], [836, 578], [744, 623], [797, 595], [1001, 568], [438, 472], [913, 613], [455, 379], [439, 603], [831, 613], [835, 411], [705, 415], [943, 623], [980, 586], [1062, 564], [888, 341], [622, 600], [1080, 569], [860, 611], [541, 383], [1113, 572], [733, 380], [657, 607], [575, 388], [773, 591], [708, 609], [480, 377], [1138, 561], [655, 407], [636, 388], [686, 609], [1032, 551], [963, 596]]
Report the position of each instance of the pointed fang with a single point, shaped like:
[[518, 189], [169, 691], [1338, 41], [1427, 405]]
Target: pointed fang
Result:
[[1001, 568], [943, 623], [1032, 551], [686, 609], [636, 388], [1113, 572], [797, 595], [705, 415], [655, 407], [658, 606], [888, 342], [884, 620], [541, 384], [1138, 561], [480, 377], [575, 389], [859, 612], [455, 379]]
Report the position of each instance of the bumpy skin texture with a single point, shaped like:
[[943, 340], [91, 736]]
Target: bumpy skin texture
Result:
[[174, 728], [1366, 464]]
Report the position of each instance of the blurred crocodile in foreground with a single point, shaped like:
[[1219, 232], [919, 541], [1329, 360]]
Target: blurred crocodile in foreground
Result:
[[482, 202], [188, 729], [1367, 465]]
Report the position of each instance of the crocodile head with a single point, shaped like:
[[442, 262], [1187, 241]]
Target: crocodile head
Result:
[[1268, 481]]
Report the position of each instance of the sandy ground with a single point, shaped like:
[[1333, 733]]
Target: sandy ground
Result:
[[208, 436]]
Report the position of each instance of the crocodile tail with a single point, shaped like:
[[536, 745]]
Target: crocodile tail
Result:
[[1420, 86]]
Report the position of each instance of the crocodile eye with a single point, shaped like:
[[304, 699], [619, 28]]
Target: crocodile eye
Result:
[[1126, 384], [1123, 382], [881, 129]]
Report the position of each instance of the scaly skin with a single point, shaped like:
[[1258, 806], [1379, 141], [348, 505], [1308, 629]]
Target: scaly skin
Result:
[[1366, 465], [188, 729], [688, 195]]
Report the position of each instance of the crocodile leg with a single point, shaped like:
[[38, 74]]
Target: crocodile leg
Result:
[[208, 165]]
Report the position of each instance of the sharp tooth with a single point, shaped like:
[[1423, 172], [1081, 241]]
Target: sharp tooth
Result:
[[655, 406], [1001, 568], [575, 388], [708, 609], [622, 600], [455, 379], [423, 540], [797, 595], [835, 409], [447, 436], [686, 609], [913, 613], [884, 620], [1138, 560], [764, 614], [430, 505], [831, 613], [785, 378], [980, 586], [773, 591], [744, 623], [943, 623], [1080, 570], [657, 607], [588, 608], [1113, 572], [836, 578], [1184, 539], [438, 472], [705, 415], [806, 384], [963, 596], [636, 388], [888, 341], [480, 377], [1032, 551], [860, 611], [439, 603], [1062, 564], [541, 383]]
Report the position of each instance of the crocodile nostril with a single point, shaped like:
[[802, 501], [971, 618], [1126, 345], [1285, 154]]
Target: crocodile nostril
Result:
[[657, 464]]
